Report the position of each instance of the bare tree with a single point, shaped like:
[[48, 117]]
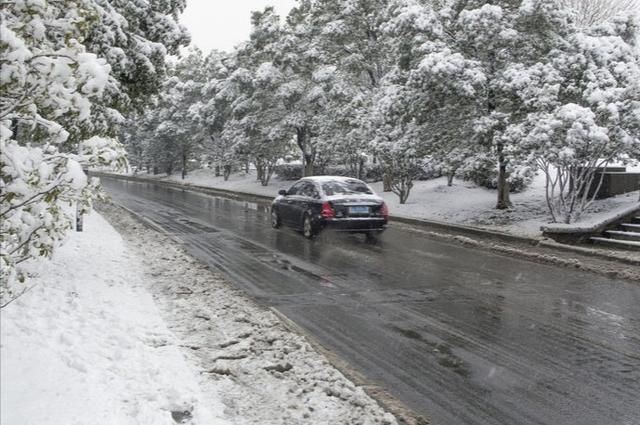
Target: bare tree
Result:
[[591, 12]]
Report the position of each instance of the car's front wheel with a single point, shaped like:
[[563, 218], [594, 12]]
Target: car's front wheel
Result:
[[307, 227], [275, 218]]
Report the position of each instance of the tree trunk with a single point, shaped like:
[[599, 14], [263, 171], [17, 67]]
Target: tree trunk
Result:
[[217, 168], [14, 128], [403, 188], [360, 168], [259, 169], [386, 182], [266, 174], [184, 165], [302, 136], [308, 165], [503, 185], [450, 179], [246, 167]]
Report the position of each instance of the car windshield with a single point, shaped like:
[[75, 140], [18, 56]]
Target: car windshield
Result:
[[345, 187]]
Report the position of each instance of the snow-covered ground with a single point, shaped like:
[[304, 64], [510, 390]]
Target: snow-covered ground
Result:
[[87, 345], [462, 203], [134, 331]]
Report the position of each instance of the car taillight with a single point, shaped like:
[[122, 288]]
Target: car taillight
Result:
[[327, 211], [384, 210]]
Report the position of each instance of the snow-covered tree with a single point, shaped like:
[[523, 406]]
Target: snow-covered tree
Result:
[[60, 106], [454, 66], [257, 122], [593, 12], [179, 111], [303, 97], [348, 35], [135, 37], [171, 132], [218, 94], [587, 113], [411, 124], [47, 80]]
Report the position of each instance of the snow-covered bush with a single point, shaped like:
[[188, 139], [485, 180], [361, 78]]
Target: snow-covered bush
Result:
[[374, 173], [428, 169], [338, 170], [289, 171], [520, 178], [571, 148], [401, 159], [483, 171], [480, 169]]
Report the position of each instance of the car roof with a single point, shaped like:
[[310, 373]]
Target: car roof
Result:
[[321, 179]]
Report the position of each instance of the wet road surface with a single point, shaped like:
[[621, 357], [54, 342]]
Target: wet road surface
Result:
[[459, 335]]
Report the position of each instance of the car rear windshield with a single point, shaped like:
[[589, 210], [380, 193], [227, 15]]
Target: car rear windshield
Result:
[[345, 187]]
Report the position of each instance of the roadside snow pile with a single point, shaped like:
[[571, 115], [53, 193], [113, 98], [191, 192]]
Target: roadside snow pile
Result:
[[264, 373], [86, 344]]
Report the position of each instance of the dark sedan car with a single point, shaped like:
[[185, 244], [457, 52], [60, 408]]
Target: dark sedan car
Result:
[[339, 203]]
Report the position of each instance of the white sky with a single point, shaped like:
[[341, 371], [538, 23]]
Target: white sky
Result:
[[222, 24]]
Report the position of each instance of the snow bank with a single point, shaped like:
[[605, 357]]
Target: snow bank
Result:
[[86, 344]]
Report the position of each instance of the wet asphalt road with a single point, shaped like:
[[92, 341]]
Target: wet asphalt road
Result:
[[459, 335]]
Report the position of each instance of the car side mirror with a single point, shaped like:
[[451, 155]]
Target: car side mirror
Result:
[[282, 192]]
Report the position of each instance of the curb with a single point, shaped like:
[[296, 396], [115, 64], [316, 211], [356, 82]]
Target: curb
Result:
[[505, 237], [550, 243], [461, 228], [418, 222]]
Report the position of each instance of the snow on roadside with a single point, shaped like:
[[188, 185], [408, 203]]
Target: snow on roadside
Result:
[[240, 182], [135, 331], [264, 373], [462, 203], [86, 344]]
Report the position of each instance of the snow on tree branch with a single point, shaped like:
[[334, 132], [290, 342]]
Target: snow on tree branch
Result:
[[60, 106]]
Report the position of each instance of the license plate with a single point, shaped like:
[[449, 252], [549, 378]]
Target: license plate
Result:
[[358, 210]]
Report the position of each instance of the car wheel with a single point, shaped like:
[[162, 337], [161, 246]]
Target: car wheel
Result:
[[307, 227], [275, 218], [372, 235]]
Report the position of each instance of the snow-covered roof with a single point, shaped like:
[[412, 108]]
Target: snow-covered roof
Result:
[[321, 179]]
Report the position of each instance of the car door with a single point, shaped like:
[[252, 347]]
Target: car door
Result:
[[287, 204], [301, 202]]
